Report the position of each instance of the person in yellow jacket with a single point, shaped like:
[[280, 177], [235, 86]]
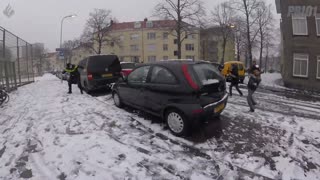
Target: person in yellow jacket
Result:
[[74, 77]]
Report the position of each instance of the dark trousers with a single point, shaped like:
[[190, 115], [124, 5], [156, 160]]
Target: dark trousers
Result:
[[235, 84], [251, 100], [70, 82]]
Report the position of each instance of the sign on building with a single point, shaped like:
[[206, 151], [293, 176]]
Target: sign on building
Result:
[[306, 11]]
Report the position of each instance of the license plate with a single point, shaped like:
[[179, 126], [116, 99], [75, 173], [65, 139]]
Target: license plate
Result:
[[107, 75], [219, 108]]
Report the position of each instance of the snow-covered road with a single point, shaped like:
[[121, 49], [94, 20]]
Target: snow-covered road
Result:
[[48, 134]]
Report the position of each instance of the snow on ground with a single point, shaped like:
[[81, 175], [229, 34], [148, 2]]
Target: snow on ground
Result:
[[270, 80], [48, 134]]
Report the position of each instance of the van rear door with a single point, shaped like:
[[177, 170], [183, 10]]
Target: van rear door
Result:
[[104, 66]]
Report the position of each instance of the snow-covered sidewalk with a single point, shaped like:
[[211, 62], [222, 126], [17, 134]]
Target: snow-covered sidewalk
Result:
[[48, 134]]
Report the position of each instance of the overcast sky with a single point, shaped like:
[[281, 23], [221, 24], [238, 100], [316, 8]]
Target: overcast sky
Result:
[[39, 20]]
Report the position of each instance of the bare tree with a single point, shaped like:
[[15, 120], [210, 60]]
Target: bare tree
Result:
[[185, 13], [240, 37], [247, 8], [39, 53], [265, 25], [97, 30], [69, 46], [223, 16]]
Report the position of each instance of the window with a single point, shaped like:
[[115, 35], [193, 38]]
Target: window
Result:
[[151, 36], [318, 68], [191, 36], [112, 44], [152, 47], [160, 75], [139, 75], [318, 24], [149, 24], [207, 74], [135, 59], [134, 48], [165, 47], [175, 53], [190, 47], [134, 36], [165, 35], [165, 57], [175, 41], [152, 58], [190, 57], [299, 24], [300, 65]]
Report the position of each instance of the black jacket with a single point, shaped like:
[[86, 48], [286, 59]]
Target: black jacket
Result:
[[74, 74], [254, 67], [234, 75], [253, 82]]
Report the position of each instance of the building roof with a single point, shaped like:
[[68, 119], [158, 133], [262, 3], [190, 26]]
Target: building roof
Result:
[[143, 24]]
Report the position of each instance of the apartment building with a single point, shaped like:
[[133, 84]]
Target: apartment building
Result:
[[148, 41], [300, 26], [211, 45]]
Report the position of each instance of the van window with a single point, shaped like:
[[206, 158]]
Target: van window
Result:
[[207, 74], [104, 64]]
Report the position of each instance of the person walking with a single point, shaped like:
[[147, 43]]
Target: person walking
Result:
[[74, 77], [234, 74], [253, 84]]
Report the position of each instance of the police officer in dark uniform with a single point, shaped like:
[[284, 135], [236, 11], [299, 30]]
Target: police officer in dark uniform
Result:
[[234, 74], [74, 77]]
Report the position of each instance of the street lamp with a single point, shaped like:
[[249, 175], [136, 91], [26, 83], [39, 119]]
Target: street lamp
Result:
[[69, 16]]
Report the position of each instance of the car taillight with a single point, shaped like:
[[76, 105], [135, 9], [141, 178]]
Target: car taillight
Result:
[[197, 111], [90, 77], [189, 78]]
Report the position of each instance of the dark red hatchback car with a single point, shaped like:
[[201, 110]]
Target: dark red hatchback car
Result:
[[181, 92]]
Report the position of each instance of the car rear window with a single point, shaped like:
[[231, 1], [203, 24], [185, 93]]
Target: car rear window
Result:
[[127, 65], [207, 74], [104, 63]]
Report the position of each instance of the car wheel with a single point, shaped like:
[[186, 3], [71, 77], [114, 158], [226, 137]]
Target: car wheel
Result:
[[177, 122], [116, 99]]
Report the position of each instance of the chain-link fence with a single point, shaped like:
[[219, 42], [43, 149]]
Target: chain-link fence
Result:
[[16, 61]]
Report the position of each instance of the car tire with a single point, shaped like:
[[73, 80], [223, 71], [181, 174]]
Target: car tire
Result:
[[117, 100], [177, 122]]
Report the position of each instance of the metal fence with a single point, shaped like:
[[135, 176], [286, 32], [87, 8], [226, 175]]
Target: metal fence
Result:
[[16, 61]]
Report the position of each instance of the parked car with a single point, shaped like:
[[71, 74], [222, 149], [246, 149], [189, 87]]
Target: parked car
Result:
[[126, 68], [99, 71], [181, 92], [227, 69]]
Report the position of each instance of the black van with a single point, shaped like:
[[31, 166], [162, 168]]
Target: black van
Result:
[[99, 71]]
